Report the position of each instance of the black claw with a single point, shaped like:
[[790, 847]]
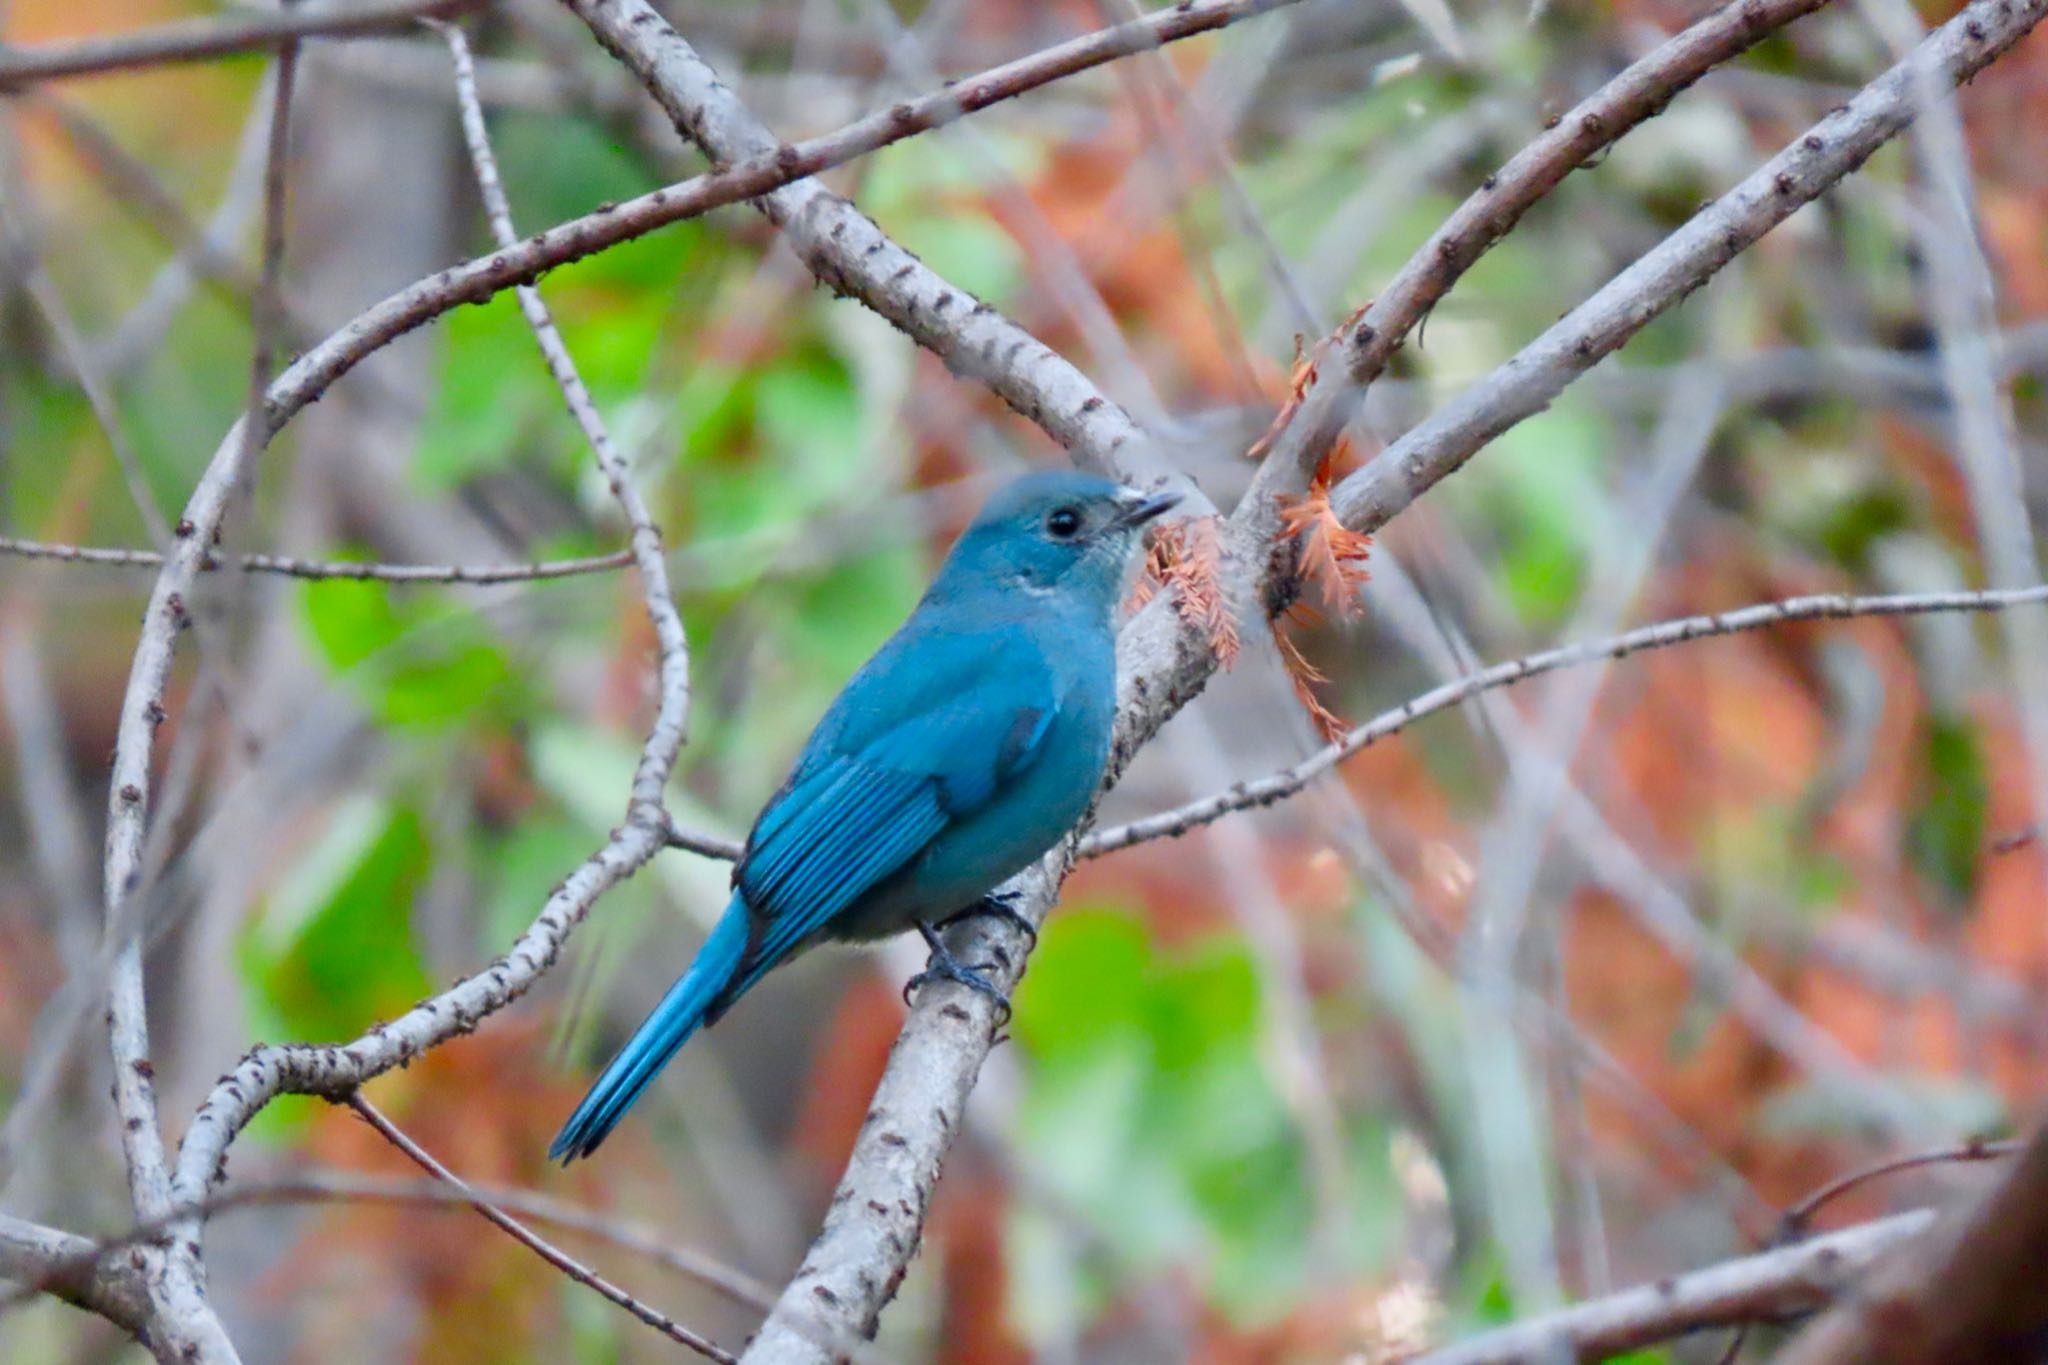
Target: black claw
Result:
[[946, 967], [996, 906]]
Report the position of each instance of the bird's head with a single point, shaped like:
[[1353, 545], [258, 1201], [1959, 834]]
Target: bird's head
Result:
[[1055, 531]]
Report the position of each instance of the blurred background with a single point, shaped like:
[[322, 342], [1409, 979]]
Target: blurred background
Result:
[[1580, 985]]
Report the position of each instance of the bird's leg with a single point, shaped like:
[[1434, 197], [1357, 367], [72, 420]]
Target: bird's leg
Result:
[[946, 967], [1000, 905]]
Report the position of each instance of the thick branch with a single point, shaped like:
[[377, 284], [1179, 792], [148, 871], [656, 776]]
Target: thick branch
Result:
[[1795, 1279], [877, 1214], [44, 1260], [196, 40]]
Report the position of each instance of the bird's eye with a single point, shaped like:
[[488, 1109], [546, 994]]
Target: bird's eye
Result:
[[1063, 523]]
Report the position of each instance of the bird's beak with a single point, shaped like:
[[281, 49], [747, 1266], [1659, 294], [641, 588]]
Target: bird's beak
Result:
[[1143, 507]]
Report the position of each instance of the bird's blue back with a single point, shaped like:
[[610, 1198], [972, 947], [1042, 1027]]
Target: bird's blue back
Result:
[[958, 754]]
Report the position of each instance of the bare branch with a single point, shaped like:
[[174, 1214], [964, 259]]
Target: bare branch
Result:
[[848, 253], [196, 40], [46, 1261], [1968, 1288], [181, 1324], [1681, 263], [1360, 350], [1794, 1279], [855, 255], [71, 1256], [877, 1213], [533, 1241], [336, 1072], [1267, 790], [320, 570]]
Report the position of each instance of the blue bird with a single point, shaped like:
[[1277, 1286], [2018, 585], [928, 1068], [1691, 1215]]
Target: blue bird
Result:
[[957, 755]]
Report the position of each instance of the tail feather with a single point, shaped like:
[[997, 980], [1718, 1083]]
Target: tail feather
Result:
[[657, 1039]]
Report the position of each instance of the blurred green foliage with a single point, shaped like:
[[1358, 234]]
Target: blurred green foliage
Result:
[[1151, 1126]]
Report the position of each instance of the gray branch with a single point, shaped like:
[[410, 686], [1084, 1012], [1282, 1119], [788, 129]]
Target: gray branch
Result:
[[1794, 1279]]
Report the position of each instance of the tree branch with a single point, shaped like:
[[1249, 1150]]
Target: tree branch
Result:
[[849, 254], [336, 1072], [320, 570], [70, 1256], [1681, 263], [1367, 342], [877, 1215], [1285, 783], [1795, 1279], [518, 1231], [44, 1260], [1967, 1288], [195, 40], [972, 337]]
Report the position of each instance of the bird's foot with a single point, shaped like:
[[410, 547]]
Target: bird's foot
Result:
[[946, 967], [997, 905]]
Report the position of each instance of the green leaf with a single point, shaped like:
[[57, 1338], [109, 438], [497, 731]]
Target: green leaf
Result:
[[1150, 1108], [418, 660], [331, 952], [1945, 833]]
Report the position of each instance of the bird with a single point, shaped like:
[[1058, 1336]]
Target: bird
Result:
[[971, 741]]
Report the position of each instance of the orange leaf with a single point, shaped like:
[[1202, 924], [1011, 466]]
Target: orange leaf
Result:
[[1333, 555], [1305, 675], [1187, 556]]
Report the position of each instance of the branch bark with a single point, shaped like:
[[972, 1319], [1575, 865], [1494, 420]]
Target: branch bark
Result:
[[1795, 1279], [1280, 785], [60, 1263], [316, 570], [199, 39], [877, 1212], [1967, 1288], [1681, 263]]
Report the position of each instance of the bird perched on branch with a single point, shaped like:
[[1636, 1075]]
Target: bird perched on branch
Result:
[[956, 756]]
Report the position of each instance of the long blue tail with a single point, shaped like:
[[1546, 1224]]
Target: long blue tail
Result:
[[657, 1039]]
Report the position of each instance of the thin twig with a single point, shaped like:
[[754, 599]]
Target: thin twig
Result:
[[195, 40], [540, 1246], [64, 1259], [467, 575], [335, 1072], [1969, 1288], [1796, 1220], [1267, 790]]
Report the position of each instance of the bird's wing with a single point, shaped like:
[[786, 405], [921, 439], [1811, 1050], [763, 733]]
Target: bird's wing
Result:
[[848, 821]]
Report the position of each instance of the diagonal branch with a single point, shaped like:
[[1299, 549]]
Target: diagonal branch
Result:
[[1968, 1288], [194, 40], [848, 253], [1285, 783], [512, 1227], [1775, 1284], [877, 1215], [1681, 263], [1363, 346]]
